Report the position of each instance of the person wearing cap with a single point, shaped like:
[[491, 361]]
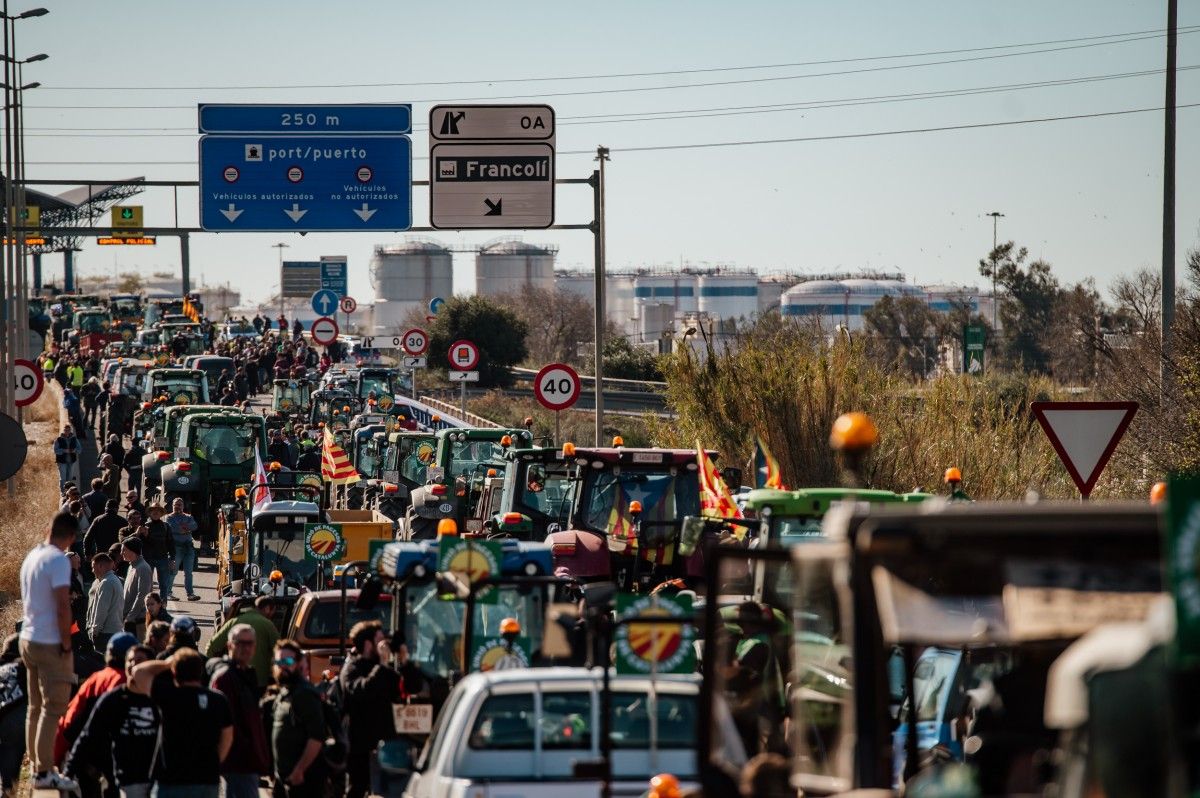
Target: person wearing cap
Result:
[[110, 676], [121, 735], [138, 583], [105, 604], [370, 686], [184, 634]]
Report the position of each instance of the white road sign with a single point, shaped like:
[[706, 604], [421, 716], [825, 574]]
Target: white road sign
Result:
[[491, 166], [413, 363], [27, 382], [414, 342], [463, 376], [1085, 435], [556, 386], [347, 304], [324, 331]]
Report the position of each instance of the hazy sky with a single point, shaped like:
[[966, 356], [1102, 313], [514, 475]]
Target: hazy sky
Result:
[[1084, 194]]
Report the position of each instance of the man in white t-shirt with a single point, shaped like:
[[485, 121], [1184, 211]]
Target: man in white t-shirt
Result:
[[46, 647]]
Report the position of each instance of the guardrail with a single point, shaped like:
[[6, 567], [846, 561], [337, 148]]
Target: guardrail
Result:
[[648, 386], [449, 412]]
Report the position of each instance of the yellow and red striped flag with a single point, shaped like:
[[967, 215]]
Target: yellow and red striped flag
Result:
[[715, 499], [336, 467]]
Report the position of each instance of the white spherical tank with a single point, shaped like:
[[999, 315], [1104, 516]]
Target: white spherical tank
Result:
[[673, 288], [408, 275], [508, 266], [728, 295]]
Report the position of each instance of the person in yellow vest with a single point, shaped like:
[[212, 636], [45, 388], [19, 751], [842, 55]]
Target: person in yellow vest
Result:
[[75, 376]]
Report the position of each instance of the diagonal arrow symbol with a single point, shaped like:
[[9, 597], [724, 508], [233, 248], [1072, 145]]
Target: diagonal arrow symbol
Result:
[[494, 208], [365, 213], [296, 213], [231, 213]]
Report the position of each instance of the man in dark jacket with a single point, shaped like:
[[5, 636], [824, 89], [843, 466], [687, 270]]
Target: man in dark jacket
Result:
[[96, 500], [278, 451], [115, 448], [104, 531], [121, 735], [158, 547], [234, 677], [370, 688], [132, 463]]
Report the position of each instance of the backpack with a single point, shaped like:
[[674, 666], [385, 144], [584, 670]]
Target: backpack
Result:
[[11, 692]]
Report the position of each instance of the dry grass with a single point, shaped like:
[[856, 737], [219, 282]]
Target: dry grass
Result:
[[25, 515]]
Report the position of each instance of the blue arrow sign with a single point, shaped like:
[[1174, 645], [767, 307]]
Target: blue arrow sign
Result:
[[297, 120], [305, 183], [324, 302]]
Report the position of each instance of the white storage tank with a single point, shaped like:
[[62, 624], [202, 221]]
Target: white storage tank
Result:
[[408, 275], [576, 282], [619, 305], [511, 266], [656, 322], [675, 288], [728, 295]]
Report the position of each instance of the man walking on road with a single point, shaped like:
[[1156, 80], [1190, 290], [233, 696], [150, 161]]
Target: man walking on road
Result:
[[46, 647], [106, 602], [138, 583], [110, 475], [233, 676], [66, 455], [182, 526], [104, 531], [370, 687], [158, 547], [298, 727]]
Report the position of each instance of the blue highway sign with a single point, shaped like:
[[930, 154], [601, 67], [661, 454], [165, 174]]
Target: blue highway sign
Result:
[[325, 302], [334, 277], [303, 119], [305, 183]]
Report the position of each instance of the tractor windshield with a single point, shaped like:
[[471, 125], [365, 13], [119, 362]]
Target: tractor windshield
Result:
[[94, 322], [473, 458], [224, 444], [126, 307], [289, 398], [179, 390], [434, 628], [416, 455], [133, 382], [380, 383], [666, 494], [546, 489]]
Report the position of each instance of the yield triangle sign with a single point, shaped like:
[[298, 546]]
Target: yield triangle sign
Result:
[[1085, 434]]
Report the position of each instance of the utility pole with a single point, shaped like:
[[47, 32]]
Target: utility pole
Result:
[[281, 247], [996, 217], [1168, 217], [598, 230]]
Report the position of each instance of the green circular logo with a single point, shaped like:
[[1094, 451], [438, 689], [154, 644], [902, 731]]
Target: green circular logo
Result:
[[324, 542]]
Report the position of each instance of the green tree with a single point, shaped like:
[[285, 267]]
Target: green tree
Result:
[[623, 361], [558, 321], [1031, 296], [497, 331], [901, 332]]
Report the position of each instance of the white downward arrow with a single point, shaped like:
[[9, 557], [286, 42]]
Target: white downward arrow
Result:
[[296, 213], [365, 213], [231, 213]]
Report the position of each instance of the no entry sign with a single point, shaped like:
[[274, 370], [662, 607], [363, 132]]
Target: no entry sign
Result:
[[324, 331], [556, 386]]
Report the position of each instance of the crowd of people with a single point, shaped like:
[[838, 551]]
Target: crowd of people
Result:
[[124, 702]]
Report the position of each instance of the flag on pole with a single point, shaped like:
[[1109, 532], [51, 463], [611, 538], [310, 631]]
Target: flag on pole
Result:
[[336, 467], [715, 499], [766, 467], [261, 496], [190, 310]]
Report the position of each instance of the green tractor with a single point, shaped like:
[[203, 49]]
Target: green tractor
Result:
[[214, 454], [290, 401], [162, 429]]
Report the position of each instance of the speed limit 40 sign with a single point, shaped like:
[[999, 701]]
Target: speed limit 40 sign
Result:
[[414, 342], [27, 382], [556, 386]]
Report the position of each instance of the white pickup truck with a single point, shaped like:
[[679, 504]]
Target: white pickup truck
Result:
[[517, 734]]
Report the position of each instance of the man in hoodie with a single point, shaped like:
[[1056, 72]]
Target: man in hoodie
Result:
[[122, 735], [106, 603], [138, 584], [370, 686]]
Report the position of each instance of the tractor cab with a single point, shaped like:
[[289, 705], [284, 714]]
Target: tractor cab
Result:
[[794, 516], [126, 308], [380, 383], [532, 497], [328, 407], [178, 386]]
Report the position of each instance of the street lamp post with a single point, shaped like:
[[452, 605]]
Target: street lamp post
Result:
[[280, 247], [13, 266], [996, 217]]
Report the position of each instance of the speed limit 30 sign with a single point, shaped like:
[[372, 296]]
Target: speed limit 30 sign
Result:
[[556, 386], [27, 382], [414, 342]]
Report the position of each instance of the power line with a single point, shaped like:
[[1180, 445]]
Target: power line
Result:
[[704, 113], [1156, 32], [668, 87], [742, 143]]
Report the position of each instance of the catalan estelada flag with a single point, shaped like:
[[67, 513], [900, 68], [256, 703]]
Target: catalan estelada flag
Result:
[[766, 467], [336, 467], [715, 499]]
